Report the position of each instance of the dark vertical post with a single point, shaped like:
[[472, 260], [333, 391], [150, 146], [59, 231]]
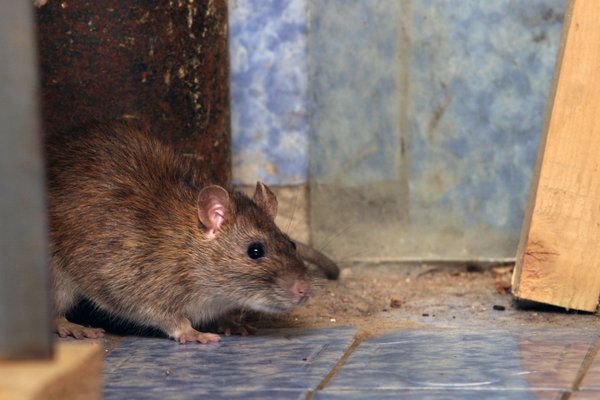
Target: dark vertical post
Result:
[[165, 62], [24, 312]]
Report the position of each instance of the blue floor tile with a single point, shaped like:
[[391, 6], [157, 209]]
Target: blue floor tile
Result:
[[441, 395], [199, 394], [289, 360], [466, 359], [585, 395]]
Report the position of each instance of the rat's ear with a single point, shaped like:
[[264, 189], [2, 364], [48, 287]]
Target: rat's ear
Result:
[[213, 209], [265, 199]]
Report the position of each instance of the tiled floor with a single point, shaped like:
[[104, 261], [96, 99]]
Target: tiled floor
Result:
[[404, 364], [458, 347], [441, 395], [465, 359], [273, 364]]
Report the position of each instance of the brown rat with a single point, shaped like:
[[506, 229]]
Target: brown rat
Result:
[[135, 231]]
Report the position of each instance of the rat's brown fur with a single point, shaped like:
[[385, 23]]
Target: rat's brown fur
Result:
[[125, 233]]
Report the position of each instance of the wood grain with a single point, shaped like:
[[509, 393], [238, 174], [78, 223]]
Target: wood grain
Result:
[[74, 373]]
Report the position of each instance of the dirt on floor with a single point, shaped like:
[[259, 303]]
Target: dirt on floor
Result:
[[390, 296], [380, 297]]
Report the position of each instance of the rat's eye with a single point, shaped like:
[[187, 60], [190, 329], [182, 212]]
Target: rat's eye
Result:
[[293, 244], [256, 250]]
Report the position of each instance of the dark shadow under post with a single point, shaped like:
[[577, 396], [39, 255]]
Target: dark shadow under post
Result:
[[24, 312]]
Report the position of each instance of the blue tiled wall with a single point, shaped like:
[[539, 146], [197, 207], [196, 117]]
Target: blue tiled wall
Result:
[[443, 98], [269, 91], [496, 59]]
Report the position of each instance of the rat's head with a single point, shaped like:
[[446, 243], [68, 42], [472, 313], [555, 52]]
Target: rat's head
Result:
[[259, 262]]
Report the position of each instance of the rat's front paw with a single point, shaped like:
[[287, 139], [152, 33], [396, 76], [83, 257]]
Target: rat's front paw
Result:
[[65, 328], [193, 335], [228, 327]]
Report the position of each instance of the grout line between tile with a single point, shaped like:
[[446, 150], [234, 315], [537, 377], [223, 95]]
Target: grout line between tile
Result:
[[114, 343], [335, 368], [585, 366]]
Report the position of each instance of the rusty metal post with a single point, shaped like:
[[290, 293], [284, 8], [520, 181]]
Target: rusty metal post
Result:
[[24, 311], [165, 62]]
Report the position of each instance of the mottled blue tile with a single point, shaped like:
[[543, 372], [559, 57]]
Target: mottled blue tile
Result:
[[268, 49], [272, 360], [466, 359], [496, 61], [441, 395], [195, 394], [355, 102], [443, 100]]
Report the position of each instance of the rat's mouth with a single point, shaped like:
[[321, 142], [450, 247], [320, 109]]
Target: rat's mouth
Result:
[[301, 301], [277, 305], [271, 308]]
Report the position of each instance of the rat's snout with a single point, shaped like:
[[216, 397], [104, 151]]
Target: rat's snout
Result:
[[301, 292]]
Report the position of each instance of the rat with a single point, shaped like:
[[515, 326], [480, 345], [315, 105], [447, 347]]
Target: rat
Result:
[[135, 231]]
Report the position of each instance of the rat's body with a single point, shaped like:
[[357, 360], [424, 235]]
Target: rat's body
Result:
[[134, 231]]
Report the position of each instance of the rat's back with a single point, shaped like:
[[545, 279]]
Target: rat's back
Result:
[[118, 200]]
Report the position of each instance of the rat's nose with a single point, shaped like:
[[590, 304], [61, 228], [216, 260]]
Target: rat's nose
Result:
[[302, 290]]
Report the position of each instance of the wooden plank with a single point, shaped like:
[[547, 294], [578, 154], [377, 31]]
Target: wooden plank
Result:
[[74, 373], [24, 308], [558, 259]]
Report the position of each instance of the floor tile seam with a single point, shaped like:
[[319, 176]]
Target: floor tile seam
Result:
[[585, 365], [117, 364], [336, 367]]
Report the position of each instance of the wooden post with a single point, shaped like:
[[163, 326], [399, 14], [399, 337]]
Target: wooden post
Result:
[[24, 310], [558, 259], [163, 62]]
